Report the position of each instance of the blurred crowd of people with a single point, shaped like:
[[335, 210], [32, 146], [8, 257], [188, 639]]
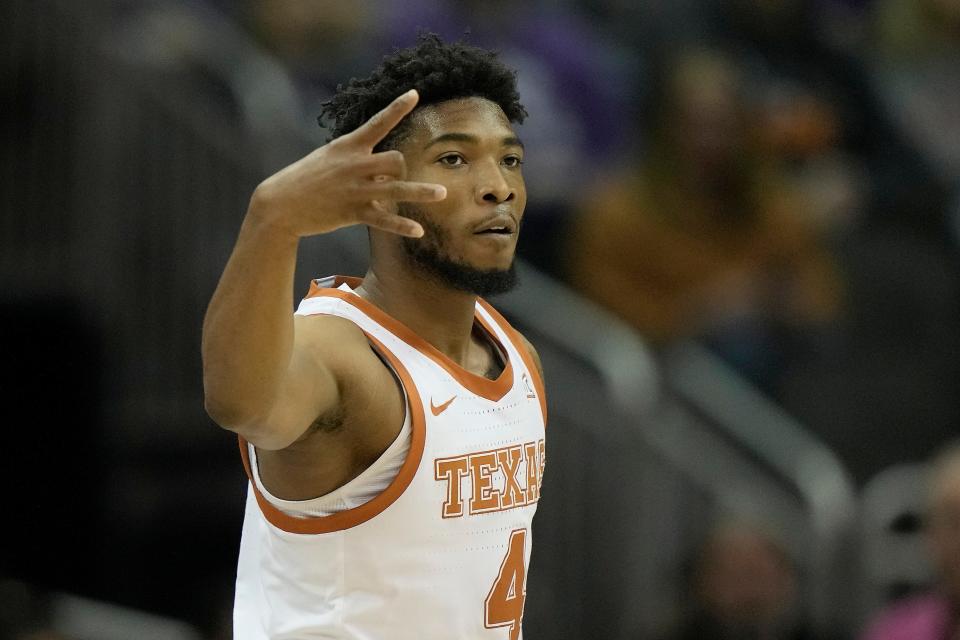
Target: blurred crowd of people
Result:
[[743, 583], [778, 179]]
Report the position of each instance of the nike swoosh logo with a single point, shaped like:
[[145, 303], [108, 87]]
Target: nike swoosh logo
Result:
[[438, 409]]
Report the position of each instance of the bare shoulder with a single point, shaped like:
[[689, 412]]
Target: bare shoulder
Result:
[[360, 413], [343, 349], [328, 336], [332, 370]]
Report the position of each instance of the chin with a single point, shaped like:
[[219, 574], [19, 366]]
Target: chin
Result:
[[483, 277], [492, 265], [489, 260]]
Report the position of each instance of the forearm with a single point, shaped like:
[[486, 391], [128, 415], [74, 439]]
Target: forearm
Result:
[[248, 330], [248, 333]]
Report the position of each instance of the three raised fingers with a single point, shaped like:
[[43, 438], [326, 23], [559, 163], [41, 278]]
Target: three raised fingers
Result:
[[388, 171], [371, 132]]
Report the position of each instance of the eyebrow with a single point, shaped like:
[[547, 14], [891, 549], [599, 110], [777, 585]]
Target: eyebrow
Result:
[[509, 141]]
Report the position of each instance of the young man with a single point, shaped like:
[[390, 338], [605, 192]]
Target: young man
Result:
[[393, 430]]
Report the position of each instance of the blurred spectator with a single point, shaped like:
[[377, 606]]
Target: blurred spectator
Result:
[[707, 237], [895, 356], [936, 614], [810, 52], [743, 586], [810, 104], [868, 186]]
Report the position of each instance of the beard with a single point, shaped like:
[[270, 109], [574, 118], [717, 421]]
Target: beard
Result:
[[431, 256]]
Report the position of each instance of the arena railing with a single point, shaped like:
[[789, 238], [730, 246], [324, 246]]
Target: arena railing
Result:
[[710, 394]]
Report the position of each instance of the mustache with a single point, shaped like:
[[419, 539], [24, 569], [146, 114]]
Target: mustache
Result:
[[416, 213], [430, 255]]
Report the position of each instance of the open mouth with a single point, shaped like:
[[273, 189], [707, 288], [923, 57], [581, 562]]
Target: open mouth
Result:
[[499, 225], [502, 231]]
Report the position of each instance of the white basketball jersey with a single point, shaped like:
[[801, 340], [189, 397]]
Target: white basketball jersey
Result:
[[443, 551]]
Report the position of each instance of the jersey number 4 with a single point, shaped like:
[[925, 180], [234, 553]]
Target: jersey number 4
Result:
[[504, 604]]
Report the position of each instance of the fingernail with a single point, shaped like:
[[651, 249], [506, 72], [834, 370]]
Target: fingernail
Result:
[[440, 192], [409, 95]]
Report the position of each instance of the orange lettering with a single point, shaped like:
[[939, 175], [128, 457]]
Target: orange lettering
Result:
[[485, 497], [543, 464], [504, 604], [533, 472], [453, 470], [513, 495], [521, 486]]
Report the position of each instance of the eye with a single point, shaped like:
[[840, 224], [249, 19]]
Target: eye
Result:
[[451, 160], [513, 162]]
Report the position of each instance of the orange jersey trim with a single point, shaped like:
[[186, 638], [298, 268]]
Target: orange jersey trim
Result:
[[358, 515], [521, 346], [484, 387]]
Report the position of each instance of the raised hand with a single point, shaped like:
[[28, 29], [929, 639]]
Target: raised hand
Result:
[[345, 183]]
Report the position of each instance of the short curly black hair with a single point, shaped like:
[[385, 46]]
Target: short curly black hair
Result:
[[438, 71]]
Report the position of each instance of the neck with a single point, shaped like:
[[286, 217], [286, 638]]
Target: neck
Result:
[[440, 315]]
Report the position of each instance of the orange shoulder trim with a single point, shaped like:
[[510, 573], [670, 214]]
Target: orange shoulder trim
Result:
[[484, 387], [521, 346], [358, 515]]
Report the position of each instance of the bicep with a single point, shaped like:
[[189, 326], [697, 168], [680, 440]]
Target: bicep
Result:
[[311, 385]]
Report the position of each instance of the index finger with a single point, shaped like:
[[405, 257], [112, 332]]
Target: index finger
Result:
[[371, 132]]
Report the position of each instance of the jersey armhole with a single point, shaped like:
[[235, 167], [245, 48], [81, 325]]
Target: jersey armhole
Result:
[[349, 518]]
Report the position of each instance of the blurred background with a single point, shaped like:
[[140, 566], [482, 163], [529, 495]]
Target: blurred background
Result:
[[739, 265]]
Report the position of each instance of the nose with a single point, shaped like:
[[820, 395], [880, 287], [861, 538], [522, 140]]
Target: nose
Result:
[[493, 186]]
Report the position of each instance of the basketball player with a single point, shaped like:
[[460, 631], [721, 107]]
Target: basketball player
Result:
[[393, 429]]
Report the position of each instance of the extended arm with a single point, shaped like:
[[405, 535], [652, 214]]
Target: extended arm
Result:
[[264, 377]]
